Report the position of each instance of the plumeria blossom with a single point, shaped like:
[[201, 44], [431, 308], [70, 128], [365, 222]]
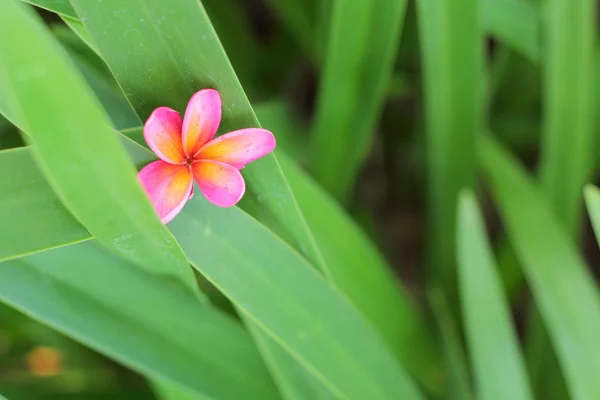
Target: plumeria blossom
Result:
[[188, 153]]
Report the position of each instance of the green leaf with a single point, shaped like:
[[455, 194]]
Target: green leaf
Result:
[[167, 391], [24, 189], [514, 23], [299, 18], [358, 64], [452, 55], [276, 116], [568, 140], [289, 301], [178, 342], [592, 199], [294, 381], [62, 7], [77, 150], [373, 290], [498, 366], [562, 286], [105, 88]]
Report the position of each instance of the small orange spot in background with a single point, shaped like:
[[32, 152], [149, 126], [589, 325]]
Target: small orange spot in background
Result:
[[44, 361]]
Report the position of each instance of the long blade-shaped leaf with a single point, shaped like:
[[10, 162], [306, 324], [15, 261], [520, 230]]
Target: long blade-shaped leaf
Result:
[[361, 49], [497, 362], [562, 285], [452, 55], [592, 199], [515, 23], [567, 146], [86, 293], [290, 302], [78, 151]]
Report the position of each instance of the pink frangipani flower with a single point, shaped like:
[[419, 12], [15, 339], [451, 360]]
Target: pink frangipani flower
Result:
[[188, 153]]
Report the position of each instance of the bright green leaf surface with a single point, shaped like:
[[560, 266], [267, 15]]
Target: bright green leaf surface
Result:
[[78, 151], [46, 224], [289, 301], [62, 7], [497, 362], [562, 286], [361, 49], [452, 56], [592, 199], [568, 140], [294, 381], [86, 293], [374, 290], [38, 220], [514, 23]]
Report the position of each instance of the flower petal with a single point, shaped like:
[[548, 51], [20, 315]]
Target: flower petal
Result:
[[201, 120], [168, 186], [222, 184], [162, 132], [238, 148]]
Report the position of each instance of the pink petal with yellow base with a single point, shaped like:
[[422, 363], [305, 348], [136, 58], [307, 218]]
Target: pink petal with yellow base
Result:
[[222, 184], [162, 132], [201, 120], [239, 148], [168, 186]]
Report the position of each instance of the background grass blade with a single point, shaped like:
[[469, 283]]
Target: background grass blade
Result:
[[299, 17], [452, 57], [197, 348], [347, 256], [498, 366], [567, 144], [568, 140], [515, 23], [592, 199], [361, 50], [79, 153], [562, 286]]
